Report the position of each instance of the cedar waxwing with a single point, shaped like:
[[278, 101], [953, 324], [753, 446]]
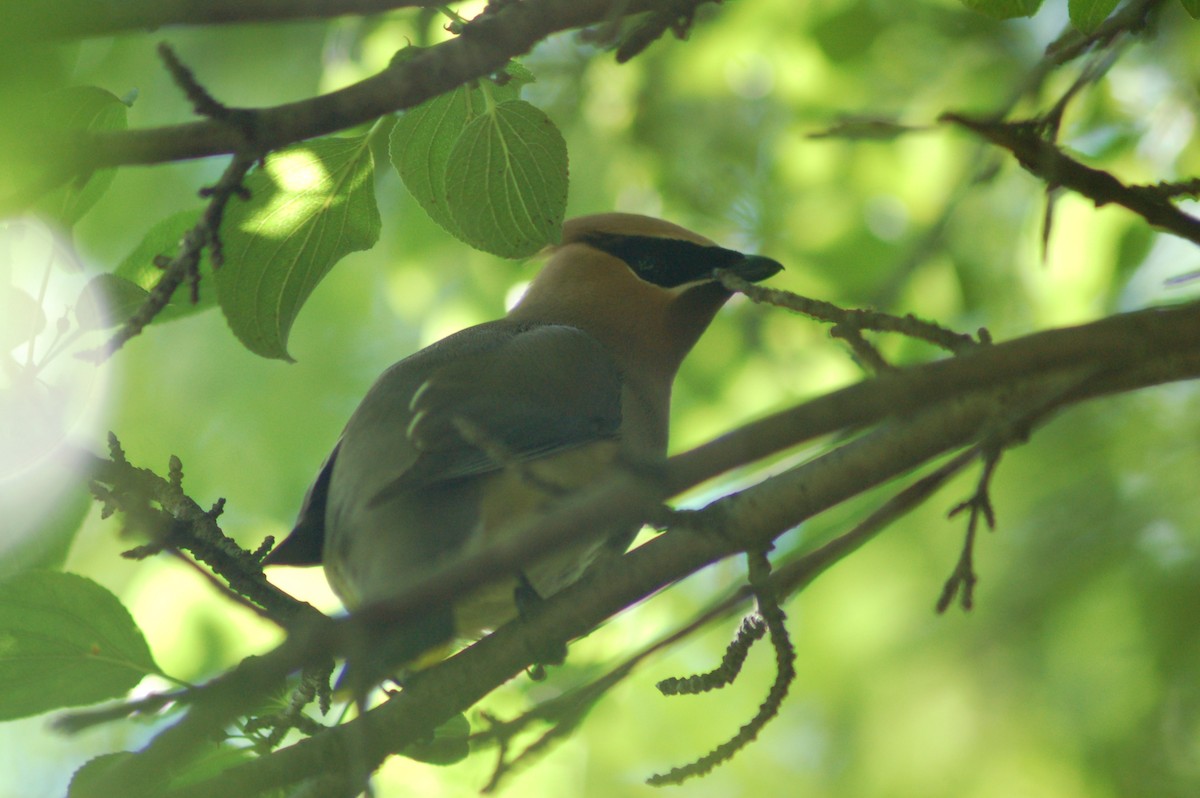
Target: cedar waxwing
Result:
[[577, 375]]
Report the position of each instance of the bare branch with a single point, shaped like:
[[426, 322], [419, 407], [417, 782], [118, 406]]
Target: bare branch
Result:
[[486, 45], [1131, 19], [186, 263], [1044, 159], [849, 322], [929, 410], [962, 580], [192, 528], [794, 573], [673, 15]]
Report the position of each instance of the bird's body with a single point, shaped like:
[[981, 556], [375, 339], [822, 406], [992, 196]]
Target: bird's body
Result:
[[497, 421]]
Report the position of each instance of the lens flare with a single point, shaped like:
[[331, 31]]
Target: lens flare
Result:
[[48, 396]]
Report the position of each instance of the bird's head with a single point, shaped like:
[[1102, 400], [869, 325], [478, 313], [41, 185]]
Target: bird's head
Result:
[[644, 287]]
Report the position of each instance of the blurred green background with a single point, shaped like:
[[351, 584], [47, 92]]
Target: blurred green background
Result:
[[1078, 674]]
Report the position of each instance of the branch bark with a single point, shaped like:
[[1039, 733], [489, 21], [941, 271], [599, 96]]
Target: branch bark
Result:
[[1045, 160], [921, 412], [484, 47]]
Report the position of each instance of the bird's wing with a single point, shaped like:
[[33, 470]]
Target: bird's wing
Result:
[[545, 389], [470, 404], [303, 544]]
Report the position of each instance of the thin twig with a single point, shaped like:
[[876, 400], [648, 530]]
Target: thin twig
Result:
[[933, 406], [1043, 159], [849, 318], [191, 528], [221, 588], [403, 84], [793, 574], [206, 234], [81, 720], [1127, 21], [963, 579], [186, 263], [674, 15]]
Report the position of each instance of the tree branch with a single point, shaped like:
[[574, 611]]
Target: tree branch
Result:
[[1130, 19], [487, 43], [192, 528], [795, 572], [1042, 158], [926, 411], [451, 687]]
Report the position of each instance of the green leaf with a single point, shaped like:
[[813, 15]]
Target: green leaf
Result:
[[1004, 9], [81, 108], [65, 641], [1088, 14], [423, 141], [518, 76], [1192, 7], [44, 542], [448, 746], [92, 774], [310, 205], [507, 182], [420, 145], [108, 300], [163, 240], [31, 152], [212, 762]]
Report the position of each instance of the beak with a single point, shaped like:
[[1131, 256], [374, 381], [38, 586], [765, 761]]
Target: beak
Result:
[[755, 268]]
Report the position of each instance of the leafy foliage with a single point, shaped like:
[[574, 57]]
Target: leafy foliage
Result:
[[507, 180], [1072, 662], [54, 533], [309, 206], [81, 108], [138, 269], [67, 641], [108, 300], [488, 167], [1088, 14]]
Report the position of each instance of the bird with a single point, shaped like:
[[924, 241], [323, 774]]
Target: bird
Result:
[[495, 422]]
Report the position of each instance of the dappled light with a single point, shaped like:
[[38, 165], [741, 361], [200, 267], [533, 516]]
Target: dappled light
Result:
[[973, 181]]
